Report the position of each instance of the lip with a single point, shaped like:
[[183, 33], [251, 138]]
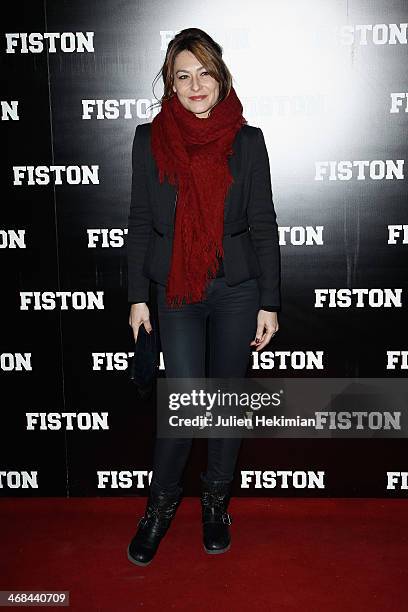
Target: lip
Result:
[[196, 98]]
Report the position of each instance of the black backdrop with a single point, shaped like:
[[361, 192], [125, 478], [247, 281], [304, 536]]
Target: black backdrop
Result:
[[321, 79]]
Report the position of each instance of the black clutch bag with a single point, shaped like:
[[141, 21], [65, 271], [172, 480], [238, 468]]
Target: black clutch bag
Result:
[[144, 364]]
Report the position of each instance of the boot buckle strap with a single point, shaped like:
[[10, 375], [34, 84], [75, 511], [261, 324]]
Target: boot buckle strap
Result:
[[226, 519]]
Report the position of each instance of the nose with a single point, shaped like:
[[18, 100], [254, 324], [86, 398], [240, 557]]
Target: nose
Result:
[[195, 86]]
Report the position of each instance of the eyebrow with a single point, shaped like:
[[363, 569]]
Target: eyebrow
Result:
[[184, 70]]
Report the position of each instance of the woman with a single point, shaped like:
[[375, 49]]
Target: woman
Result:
[[202, 227]]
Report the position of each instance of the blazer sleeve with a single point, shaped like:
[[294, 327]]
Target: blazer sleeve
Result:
[[139, 223], [263, 226]]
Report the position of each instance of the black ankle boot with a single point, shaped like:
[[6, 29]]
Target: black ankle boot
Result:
[[160, 510], [215, 498]]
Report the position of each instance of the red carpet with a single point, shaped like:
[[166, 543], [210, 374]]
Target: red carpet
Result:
[[287, 554]]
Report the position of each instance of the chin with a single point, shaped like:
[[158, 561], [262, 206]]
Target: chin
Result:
[[196, 111], [201, 112]]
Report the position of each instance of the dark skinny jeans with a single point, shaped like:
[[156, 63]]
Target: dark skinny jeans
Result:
[[232, 318]]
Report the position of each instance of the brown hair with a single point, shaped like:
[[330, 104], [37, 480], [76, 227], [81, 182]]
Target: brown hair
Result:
[[206, 50]]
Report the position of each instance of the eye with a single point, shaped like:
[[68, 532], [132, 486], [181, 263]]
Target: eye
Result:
[[182, 77]]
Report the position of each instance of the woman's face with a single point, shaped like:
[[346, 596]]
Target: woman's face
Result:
[[197, 91]]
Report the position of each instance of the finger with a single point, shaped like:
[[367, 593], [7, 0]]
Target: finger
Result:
[[268, 337], [147, 325], [261, 346], [259, 333], [258, 339]]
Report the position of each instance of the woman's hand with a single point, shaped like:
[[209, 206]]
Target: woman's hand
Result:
[[266, 328], [139, 315]]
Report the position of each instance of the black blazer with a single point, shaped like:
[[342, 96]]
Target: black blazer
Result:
[[250, 242]]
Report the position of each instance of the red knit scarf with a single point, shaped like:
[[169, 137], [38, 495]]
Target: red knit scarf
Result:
[[193, 153]]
